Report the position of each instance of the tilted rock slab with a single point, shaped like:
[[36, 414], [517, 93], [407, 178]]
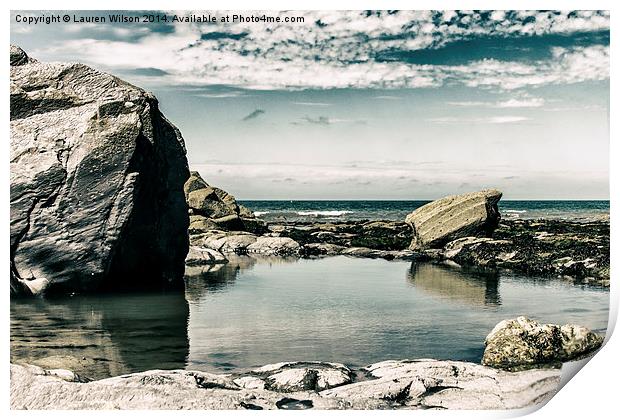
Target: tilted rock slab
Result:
[[414, 384], [522, 342], [97, 176], [453, 217]]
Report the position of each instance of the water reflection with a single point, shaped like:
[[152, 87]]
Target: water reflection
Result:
[[473, 287], [200, 281], [101, 336]]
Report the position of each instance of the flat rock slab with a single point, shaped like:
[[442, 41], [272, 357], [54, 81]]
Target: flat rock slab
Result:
[[452, 217], [413, 384]]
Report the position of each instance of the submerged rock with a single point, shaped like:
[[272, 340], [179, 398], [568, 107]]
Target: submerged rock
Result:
[[97, 176], [452, 217], [522, 342]]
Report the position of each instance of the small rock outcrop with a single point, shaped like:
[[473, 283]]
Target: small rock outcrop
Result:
[[522, 343], [212, 208], [97, 176], [453, 217]]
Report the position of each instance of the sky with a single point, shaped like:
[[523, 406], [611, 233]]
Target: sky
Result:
[[401, 105]]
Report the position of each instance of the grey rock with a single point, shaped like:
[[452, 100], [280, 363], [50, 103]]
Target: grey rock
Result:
[[452, 217], [33, 388], [230, 242], [362, 252], [97, 176], [521, 343], [267, 245], [412, 384], [427, 383], [212, 207], [203, 256], [19, 56], [304, 376]]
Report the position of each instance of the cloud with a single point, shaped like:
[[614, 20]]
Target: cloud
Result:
[[325, 121], [522, 102], [506, 119], [252, 115], [355, 49], [321, 104]]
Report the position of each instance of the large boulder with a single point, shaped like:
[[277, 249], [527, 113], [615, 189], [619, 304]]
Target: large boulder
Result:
[[97, 176], [213, 208], [453, 217], [522, 343]]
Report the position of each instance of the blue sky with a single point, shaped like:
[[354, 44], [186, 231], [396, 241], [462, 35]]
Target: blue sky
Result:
[[371, 105]]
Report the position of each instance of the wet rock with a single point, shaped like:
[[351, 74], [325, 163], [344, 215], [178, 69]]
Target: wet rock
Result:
[[382, 235], [540, 247], [522, 343], [97, 176], [453, 217], [427, 383], [203, 256], [267, 245]]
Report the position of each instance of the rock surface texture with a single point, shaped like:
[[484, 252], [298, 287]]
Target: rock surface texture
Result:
[[522, 343], [97, 176], [414, 384], [453, 217]]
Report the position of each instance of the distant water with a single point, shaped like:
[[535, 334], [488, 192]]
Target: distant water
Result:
[[278, 211], [254, 312]]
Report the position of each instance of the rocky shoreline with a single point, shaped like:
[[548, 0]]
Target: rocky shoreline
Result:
[[544, 247], [520, 368], [411, 384]]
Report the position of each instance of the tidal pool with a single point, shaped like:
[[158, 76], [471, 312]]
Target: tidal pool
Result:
[[252, 312]]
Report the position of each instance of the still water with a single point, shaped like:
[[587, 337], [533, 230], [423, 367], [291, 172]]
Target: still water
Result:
[[252, 312]]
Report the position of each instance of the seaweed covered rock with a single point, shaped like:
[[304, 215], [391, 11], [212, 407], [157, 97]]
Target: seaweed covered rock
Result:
[[540, 247], [453, 217], [522, 343], [97, 176]]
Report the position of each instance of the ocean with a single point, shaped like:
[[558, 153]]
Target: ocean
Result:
[[327, 210]]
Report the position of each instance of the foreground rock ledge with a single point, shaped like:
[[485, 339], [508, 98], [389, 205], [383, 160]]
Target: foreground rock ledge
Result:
[[97, 176], [414, 384]]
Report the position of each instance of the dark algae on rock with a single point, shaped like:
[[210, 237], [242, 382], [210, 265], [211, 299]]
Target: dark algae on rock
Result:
[[542, 247], [97, 176]]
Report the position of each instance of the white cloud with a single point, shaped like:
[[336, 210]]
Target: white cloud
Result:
[[342, 54], [520, 102], [505, 119]]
